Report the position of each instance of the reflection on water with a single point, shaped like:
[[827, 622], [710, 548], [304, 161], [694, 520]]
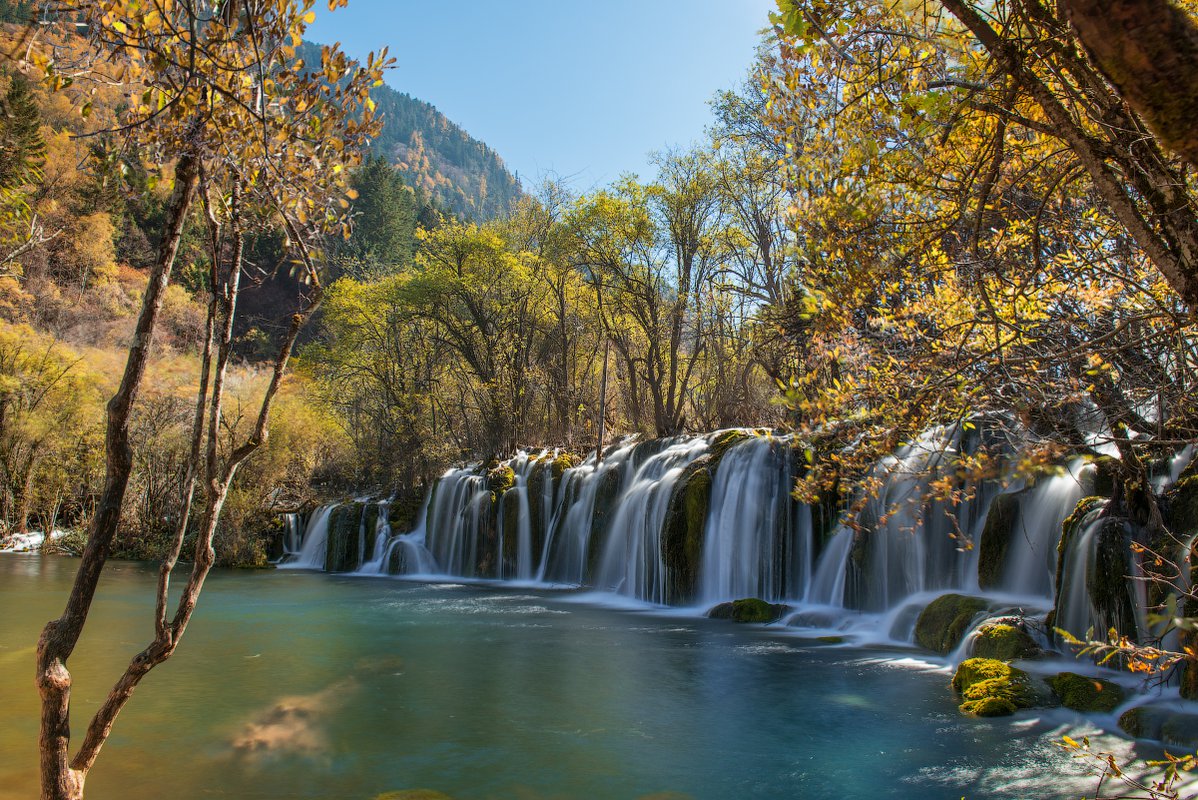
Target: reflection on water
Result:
[[296, 685]]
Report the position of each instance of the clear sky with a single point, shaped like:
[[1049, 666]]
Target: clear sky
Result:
[[584, 90]]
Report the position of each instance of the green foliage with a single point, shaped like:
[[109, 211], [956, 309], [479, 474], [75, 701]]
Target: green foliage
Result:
[[385, 218]]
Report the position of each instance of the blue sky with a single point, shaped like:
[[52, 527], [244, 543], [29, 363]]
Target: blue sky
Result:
[[582, 90]]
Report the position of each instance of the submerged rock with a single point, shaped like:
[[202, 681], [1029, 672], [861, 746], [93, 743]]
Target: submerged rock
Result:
[[1083, 693], [993, 688], [751, 609], [943, 623], [1005, 641], [413, 794]]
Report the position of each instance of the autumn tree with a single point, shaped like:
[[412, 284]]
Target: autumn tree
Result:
[[217, 94]]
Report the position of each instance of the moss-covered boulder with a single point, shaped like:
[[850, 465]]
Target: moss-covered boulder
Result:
[[1005, 641], [1175, 730], [749, 610], [1001, 521], [993, 688], [560, 463], [1143, 722], [1083, 693], [413, 794], [946, 619], [682, 533]]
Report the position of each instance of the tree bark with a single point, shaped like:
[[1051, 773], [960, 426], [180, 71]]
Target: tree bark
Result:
[[1149, 50]]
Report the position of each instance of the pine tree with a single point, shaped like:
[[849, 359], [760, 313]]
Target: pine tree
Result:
[[22, 149]]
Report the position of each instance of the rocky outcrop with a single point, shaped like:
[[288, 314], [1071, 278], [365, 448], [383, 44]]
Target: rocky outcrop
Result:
[[749, 610], [1001, 520], [1083, 693], [682, 533]]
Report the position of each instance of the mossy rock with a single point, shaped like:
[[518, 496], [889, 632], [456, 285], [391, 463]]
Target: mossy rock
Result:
[[749, 610], [413, 794], [682, 533], [831, 639], [724, 441], [1005, 642], [1143, 722], [1001, 520], [943, 623], [1083, 693], [500, 478], [341, 547], [1181, 508], [1072, 527], [1107, 582], [993, 688], [560, 463]]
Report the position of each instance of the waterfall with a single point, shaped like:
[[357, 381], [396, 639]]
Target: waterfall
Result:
[[1030, 567], [632, 562], [292, 535], [757, 542], [382, 533], [315, 541], [706, 519]]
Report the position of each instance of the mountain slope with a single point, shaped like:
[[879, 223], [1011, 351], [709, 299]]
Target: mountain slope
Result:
[[454, 170]]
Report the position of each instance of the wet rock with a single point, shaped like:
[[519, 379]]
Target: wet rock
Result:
[[943, 623], [1001, 521], [341, 553], [751, 610], [682, 533], [1083, 693], [413, 794]]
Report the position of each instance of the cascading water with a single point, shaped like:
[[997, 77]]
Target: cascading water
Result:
[[632, 562], [312, 552], [1030, 566], [757, 541], [707, 519]]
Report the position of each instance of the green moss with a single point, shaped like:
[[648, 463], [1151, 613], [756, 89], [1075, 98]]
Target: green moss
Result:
[[413, 794], [944, 622], [682, 533], [725, 441], [830, 639], [1107, 583], [991, 688], [1082, 693], [749, 610], [500, 478], [1001, 520], [562, 462], [1004, 642]]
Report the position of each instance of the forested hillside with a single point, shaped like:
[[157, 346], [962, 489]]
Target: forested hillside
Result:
[[445, 165]]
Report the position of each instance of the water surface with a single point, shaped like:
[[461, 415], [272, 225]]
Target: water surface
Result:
[[304, 685]]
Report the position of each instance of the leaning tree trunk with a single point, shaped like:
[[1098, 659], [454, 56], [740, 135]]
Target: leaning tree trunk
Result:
[[60, 779]]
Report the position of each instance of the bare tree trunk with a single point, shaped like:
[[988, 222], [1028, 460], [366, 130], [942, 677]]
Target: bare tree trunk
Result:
[[60, 779]]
